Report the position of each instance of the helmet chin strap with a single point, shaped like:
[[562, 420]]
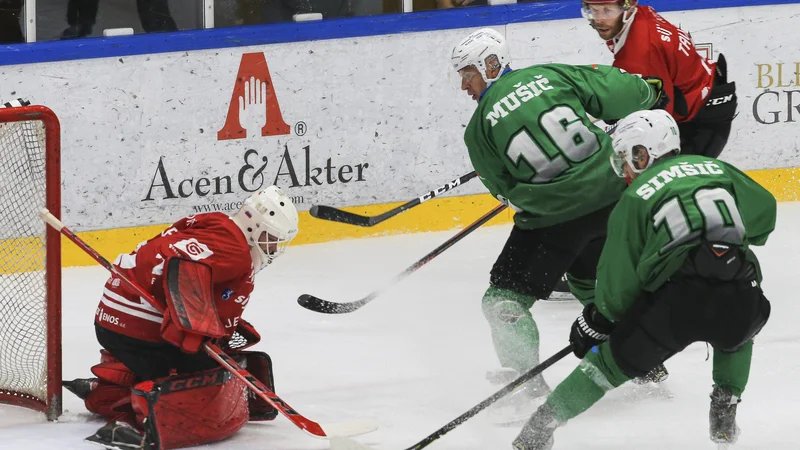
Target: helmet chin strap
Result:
[[626, 21], [490, 81]]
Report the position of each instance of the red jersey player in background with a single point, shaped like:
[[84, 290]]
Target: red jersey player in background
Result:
[[644, 43], [153, 384]]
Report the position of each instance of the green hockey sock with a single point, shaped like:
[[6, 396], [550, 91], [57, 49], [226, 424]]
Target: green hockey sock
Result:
[[596, 374], [733, 369], [514, 332]]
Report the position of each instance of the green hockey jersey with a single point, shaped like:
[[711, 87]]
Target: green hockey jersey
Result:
[[665, 212], [532, 143]]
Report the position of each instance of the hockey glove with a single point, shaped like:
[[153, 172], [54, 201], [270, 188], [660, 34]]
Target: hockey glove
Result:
[[245, 336], [662, 99], [590, 329]]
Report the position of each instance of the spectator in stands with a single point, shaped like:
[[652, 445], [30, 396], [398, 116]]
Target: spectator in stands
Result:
[[283, 10], [446, 4], [10, 30], [155, 15], [82, 14]]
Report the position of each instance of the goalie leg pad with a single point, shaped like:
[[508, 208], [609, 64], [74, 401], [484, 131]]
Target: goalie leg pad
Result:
[[110, 393], [188, 410], [112, 370], [259, 365]]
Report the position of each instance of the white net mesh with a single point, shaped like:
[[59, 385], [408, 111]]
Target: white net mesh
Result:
[[23, 288]]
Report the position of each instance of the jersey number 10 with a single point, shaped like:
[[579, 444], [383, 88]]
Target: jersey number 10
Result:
[[721, 219]]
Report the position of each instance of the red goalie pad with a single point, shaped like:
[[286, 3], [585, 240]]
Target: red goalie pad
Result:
[[110, 395], [197, 409], [192, 315]]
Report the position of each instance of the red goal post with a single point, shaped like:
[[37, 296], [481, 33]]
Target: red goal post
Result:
[[30, 260]]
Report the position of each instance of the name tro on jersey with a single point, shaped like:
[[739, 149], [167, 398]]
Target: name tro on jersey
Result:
[[679, 170], [521, 94]]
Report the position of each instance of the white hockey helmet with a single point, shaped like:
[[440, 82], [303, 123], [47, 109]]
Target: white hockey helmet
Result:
[[479, 45], [269, 221], [654, 132]]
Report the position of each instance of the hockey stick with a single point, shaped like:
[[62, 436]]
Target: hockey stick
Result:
[[349, 444], [319, 305], [352, 428], [337, 215]]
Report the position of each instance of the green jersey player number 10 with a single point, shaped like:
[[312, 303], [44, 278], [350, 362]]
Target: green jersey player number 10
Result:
[[718, 212], [573, 140]]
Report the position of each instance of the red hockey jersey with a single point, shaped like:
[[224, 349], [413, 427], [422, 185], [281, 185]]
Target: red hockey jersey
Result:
[[651, 46], [211, 238]]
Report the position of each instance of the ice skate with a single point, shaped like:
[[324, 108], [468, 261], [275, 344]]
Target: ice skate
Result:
[[658, 375], [537, 434], [516, 407], [722, 417], [561, 291], [120, 436]]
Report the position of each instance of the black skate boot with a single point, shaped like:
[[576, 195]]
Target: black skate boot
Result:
[[655, 376], [722, 416], [121, 436], [537, 434], [81, 387]]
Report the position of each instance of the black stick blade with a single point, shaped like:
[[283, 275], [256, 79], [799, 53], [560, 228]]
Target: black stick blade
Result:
[[337, 215], [319, 305]]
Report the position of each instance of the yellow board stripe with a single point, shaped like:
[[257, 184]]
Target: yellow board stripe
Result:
[[784, 184], [435, 215]]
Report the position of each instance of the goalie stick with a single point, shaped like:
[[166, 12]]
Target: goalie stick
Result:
[[349, 444], [338, 215], [351, 428], [319, 305]]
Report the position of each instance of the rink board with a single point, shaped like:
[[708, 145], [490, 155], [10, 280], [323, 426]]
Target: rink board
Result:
[[435, 215], [356, 113]]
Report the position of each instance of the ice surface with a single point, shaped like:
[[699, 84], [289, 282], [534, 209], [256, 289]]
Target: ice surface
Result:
[[416, 357]]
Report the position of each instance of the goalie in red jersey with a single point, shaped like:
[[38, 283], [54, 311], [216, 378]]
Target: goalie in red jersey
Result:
[[644, 43], [154, 384]]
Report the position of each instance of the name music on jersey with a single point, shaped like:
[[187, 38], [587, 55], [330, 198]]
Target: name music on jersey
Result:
[[252, 175], [777, 105], [522, 93]]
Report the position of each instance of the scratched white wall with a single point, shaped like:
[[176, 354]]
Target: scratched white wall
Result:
[[381, 105]]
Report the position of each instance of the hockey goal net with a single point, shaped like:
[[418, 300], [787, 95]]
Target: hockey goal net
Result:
[[30, 260]]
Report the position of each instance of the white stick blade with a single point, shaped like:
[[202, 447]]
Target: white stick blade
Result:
[[349, 428], [343, 443]]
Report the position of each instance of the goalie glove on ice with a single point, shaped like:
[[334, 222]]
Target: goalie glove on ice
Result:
[[591, 328]]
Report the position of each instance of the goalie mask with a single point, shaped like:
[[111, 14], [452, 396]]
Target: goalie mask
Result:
[[476, 48], [268, 220], [641, 138]]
